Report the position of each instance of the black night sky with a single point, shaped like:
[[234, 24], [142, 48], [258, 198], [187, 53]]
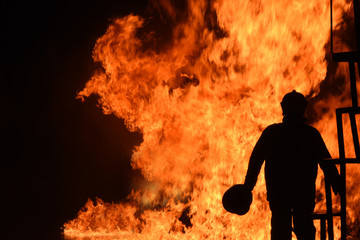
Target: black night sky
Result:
[[57, 151]]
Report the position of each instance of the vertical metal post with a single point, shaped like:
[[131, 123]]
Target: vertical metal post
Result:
[[342, 172], [322, 229], [343, 201], [354, 98], [329, 213], [355, 134], [340, 134]]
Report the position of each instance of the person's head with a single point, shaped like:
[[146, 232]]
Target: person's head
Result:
[[293, 104]]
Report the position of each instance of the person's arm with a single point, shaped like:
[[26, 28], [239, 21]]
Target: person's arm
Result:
[[328, 167], [256, 160]]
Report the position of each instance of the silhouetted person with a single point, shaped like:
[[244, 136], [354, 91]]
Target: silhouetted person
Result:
[[291, 151]]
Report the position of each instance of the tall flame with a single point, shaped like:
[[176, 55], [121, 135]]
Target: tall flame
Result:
[[201, 100]]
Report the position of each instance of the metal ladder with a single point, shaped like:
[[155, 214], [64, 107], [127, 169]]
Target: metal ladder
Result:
[[351, 58]]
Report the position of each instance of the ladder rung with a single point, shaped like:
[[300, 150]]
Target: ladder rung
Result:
[[354, 110], [323, 214], [345, 57], [341, 160]]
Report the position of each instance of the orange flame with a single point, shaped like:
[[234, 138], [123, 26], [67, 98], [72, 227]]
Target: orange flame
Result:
[[201, 102]]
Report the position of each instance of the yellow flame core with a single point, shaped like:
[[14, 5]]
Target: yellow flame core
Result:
[[201, 104]]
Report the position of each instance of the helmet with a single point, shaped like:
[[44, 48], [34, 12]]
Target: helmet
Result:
[[293, 103], [237, 199]]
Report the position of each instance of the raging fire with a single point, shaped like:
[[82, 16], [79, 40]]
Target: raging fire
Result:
[[201, 98]]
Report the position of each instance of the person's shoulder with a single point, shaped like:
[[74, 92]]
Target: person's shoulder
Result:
[[273, 127], [312, 130]]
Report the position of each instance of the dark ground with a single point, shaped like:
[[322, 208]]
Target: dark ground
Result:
[[56, 151]]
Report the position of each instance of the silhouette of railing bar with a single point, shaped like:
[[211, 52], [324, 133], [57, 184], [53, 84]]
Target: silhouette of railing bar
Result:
[[342, 161], [345, 57], [323, 217], [353, 83], [351, 58], [352, 111], [327, 216], [346, 160]]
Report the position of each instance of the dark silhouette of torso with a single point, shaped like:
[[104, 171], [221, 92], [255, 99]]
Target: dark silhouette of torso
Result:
[[292, 151]]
